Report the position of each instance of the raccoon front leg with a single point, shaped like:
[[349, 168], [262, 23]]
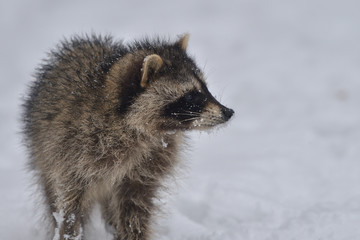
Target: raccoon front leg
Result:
[[69, 226], [129, 210], [67, 212]]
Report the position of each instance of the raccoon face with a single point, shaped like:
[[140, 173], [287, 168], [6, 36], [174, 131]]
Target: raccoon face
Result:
[[175, 96], [195, 109], [186, 103], [182, 105]]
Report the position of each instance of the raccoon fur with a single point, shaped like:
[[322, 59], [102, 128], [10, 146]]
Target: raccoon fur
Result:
[[104, 122]]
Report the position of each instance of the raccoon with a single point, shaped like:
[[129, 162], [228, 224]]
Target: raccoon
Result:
[[104, 122]]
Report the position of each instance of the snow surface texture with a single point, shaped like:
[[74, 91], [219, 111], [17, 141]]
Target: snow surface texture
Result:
[[287, 167]]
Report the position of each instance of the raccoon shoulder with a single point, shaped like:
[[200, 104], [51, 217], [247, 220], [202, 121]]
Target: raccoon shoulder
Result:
[[71, 78], [83, 59]]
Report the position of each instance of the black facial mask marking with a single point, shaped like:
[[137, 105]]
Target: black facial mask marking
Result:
[[188, 106]]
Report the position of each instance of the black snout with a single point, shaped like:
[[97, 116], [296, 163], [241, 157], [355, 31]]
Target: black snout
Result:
[[227, 113]]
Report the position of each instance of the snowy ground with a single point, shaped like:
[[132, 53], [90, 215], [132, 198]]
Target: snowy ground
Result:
[[286, 168]]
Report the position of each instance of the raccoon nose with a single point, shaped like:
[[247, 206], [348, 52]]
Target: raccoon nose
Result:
[[227, 113]]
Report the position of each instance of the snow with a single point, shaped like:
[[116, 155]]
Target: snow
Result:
[[286, 167], [59, 218], [163, 143]]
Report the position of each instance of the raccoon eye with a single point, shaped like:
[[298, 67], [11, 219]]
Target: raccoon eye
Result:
[[195, 97], [189, 97], [192, 102]]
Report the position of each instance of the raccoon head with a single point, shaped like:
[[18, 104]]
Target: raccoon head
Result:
[[174, 95]]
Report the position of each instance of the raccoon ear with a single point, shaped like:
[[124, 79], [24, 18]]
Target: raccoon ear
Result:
[[152, 63], [183, 41]]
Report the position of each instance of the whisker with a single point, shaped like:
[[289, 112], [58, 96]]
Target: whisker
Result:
[[186, 114], [189, 119], [187, 111]]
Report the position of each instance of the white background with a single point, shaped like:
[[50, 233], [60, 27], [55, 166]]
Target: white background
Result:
[[287, 167]]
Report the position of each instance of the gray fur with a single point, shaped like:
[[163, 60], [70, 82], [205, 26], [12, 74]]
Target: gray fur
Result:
[[95, 134]]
